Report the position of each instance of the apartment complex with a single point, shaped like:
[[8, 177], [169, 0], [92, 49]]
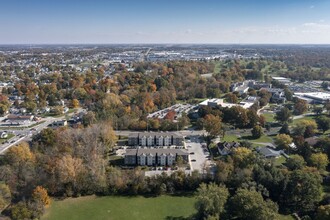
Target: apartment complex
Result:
[[154, 156], [154, 139]]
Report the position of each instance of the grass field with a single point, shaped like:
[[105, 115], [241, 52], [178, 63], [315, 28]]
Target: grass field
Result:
[[269, 117], [121, 208]]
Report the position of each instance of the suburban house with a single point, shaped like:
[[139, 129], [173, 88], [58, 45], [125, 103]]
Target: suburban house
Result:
[[59, 123], [154, 156], [225, 148], [278, 95], [267, 152], [19, 119], [154, 139]]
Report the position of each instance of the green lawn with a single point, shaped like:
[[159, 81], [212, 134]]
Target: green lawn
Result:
[[269, 117], [10, 135], [286, 217], [230, 138], [121, 208], [310, 118], [263, 138]]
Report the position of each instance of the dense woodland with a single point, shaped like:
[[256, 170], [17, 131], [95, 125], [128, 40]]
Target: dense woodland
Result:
[[70, 162]]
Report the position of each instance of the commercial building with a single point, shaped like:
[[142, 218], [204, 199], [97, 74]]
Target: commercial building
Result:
[[155, 139], [283, 80], [221, 103], [314, 97], [19, 119], [154, 156]]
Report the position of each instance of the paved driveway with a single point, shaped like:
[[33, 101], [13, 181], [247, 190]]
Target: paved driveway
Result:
[[198, 156]]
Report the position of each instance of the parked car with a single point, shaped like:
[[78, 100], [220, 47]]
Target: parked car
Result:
[[193, 160]]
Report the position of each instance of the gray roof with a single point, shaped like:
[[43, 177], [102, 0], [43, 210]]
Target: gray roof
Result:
[[131, 152], [154, 151], [267, 152], [153, 134]]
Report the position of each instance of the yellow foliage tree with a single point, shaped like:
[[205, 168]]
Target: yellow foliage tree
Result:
[[243, 157], [40, 194], [20, 153], [75, 103]]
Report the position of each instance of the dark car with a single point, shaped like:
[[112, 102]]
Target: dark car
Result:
[[192, 152], [193, 160]]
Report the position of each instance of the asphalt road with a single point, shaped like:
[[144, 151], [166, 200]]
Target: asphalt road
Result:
[[25, 134]]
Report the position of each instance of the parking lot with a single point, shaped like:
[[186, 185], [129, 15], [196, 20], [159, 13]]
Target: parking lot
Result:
[[199, 155], [178, 108]]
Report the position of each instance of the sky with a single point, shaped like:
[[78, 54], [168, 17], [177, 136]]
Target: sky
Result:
[[165, 21]]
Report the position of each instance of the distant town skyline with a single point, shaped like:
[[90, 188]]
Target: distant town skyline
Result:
[[170, 21]]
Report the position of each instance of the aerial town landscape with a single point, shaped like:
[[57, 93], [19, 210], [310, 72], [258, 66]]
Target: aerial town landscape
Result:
[[98, 124]]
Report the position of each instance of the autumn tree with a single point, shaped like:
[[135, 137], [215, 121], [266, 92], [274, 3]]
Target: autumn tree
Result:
[[282, 141], [40, 195], [305, 128], [242, 157], [212, 125], [75, 103], [300, 107], [232, 98], [5, 196]]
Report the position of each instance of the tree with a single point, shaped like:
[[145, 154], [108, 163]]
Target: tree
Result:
[[20, 211], [284, 129], [40, 195], [75, 103], [318, 110], [19, 154], [89, 118], [300, 107], [282, 141], [69, 170], [253, 118], [243, 157], [303, 189], [323, 212], [5, 196], [305, 128], [212, 125], [323, 123], [232, 98], [246, 205], [283, 115], [295, 162], [211, 200], [257, 132], [319, 160]]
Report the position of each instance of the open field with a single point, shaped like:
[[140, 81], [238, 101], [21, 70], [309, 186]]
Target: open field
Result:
[[121, 208], [269, 117]]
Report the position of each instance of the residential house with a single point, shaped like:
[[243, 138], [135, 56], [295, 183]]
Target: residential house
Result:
[[268, 152], [226, 148]]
